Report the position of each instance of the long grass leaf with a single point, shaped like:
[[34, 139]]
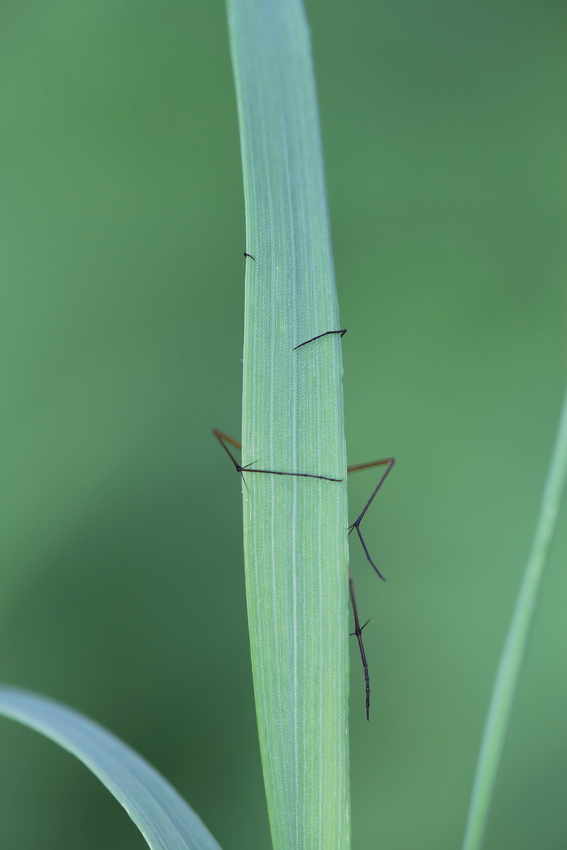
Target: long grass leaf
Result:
[[295, 540]]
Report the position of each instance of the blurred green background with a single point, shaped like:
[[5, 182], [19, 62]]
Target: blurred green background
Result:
[[121, 574]]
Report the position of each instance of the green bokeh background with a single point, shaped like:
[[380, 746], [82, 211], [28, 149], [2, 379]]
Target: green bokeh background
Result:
[[122, 232]]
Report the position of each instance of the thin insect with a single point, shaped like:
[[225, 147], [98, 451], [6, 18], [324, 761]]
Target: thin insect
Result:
[[221, 437], [313, 338], [249, 255], [358, 633]]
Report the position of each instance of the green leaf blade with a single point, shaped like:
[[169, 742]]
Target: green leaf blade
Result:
[[163, 817], [295, 539]]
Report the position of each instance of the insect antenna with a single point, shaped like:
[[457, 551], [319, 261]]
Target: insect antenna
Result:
[[390, 463], [313, 338], [358, 634], [249, 255]]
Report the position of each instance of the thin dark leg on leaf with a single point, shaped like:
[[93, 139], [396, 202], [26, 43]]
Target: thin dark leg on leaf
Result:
[[389, 462], [358, 633], [221, 437], [313, 338], [249, 255]]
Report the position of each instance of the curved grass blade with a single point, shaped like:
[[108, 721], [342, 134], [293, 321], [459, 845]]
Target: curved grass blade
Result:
[[504, 690], [163, 817]]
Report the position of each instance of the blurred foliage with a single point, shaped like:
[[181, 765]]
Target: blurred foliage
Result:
[[121, 582]]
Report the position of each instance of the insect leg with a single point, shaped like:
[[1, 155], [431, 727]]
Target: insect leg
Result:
[[313, 338], [249, 255], [358, 633], [389, 463], [221, 437]]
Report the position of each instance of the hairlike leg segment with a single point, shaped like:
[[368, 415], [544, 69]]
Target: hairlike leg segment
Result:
[[389, 463], [358, 633]]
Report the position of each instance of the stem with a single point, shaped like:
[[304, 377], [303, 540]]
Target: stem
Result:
[[515, 647]]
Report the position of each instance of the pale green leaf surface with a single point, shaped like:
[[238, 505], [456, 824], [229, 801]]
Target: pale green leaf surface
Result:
[[295, 529], [161, 814]]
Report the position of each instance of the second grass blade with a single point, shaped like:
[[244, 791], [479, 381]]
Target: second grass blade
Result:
[[160, 813], [507, 677], [292, 420]]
